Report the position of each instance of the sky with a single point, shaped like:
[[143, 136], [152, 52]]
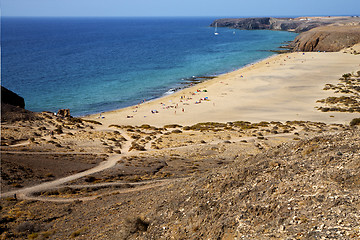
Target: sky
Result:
[[134, 8]]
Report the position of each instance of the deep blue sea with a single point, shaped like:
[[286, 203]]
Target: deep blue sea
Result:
[[92, 65]]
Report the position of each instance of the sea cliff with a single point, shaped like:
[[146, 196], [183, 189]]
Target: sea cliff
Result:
[[326, 38], [316, 33]]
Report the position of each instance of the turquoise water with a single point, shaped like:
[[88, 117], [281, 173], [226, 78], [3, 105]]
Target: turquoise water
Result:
[[92, 65]]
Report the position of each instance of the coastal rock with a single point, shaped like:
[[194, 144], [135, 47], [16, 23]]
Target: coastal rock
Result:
[[13, 107], [65, 113], [9, 97], [327, 38], [244, 23], [316, 33], [282, 24], [300, 24]]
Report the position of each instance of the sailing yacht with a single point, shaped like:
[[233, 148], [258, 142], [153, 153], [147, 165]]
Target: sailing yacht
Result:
[[216, 33]]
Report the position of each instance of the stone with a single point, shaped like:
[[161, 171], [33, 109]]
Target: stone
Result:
[[11, 98], [65, 113]]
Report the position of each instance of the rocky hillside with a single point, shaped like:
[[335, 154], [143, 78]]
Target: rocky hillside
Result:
[[327, 38], [9, 97], [306, 190]]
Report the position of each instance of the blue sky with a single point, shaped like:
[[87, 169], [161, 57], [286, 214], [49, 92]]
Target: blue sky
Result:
[[125, 8]]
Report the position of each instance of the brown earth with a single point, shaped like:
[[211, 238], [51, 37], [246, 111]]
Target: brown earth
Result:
[[206, 181], [304, 186], [327, 38]]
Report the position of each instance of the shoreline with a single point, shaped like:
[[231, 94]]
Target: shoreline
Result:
[[260, 97], [183, 85], [187, 86]]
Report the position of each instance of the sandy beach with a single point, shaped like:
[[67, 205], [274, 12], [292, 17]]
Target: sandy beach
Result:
[[281, 88]]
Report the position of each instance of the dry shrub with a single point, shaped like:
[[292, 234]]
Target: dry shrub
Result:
[[355, 121], [133, 226]]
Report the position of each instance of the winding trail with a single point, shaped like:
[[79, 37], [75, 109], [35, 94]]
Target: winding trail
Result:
[[28, 192], [24, 193], [143, 186]]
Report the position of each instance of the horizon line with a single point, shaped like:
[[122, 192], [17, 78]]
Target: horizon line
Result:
[[244, 16]]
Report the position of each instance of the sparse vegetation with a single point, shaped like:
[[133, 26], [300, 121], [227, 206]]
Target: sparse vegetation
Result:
[[78, 232], [347, 103], [91, 121], [355, 121], [172, 126]]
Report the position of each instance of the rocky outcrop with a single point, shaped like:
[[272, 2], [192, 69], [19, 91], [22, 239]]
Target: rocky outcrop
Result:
[[328, 38], [301, 24], [281, 24], [64, 113], [13, 108], [244, 23], [9, 97], [316, 33]]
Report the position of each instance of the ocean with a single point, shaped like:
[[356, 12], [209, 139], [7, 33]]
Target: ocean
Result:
[[90, 65]]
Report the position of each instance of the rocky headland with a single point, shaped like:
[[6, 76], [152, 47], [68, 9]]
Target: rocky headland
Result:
[[316, 33], [326, 38], [9, 97]]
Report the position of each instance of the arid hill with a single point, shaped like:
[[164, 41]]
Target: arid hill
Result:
[[306, 190], [206, 181], [327, 38]]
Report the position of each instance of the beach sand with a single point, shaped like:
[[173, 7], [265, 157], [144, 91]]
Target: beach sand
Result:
[[280, 88]]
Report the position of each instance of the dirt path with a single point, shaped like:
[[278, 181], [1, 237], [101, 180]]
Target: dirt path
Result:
[[24, 192], [27, 193], [143, 186], [52, 153]]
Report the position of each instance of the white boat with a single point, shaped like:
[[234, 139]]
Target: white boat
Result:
[[216, 33]]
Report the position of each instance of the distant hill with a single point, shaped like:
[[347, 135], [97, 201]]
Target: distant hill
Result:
[[316, 33]]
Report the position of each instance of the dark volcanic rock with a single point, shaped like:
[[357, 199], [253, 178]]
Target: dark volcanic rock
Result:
[[244, 23], [286, 24], [13, 107], [11, 113], [9, 97], [301, 24]]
